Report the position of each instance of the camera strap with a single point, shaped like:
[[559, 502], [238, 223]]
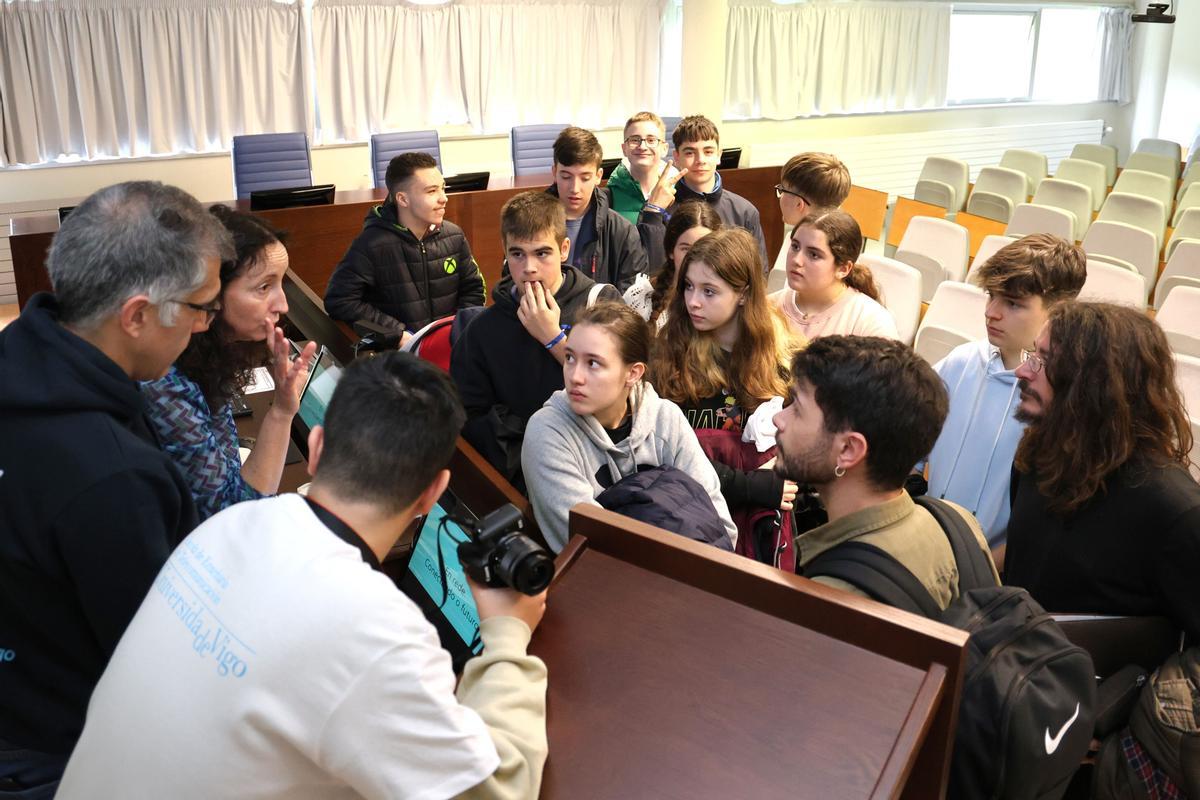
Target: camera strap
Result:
[[344, 532], [442, 572]]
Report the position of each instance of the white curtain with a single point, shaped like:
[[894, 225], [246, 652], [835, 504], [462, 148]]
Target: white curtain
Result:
[[1116, 51], [828, 57], [124, 78], [389, 65]]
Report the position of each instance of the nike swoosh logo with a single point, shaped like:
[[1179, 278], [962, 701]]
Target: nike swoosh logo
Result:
[[1053, 742]]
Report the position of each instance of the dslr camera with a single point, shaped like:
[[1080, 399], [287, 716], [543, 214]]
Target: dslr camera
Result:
[[497, 554]]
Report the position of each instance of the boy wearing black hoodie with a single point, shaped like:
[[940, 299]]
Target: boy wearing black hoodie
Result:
[[409, 266], [508, 361], [90, 507]]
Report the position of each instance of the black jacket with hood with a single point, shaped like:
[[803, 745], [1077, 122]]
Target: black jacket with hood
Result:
[[614, 253], [90, 508], [504, 375], [393, 279], [733, 209]]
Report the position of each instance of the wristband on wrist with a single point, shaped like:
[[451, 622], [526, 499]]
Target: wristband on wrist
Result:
[[655, 209], [561, 335]]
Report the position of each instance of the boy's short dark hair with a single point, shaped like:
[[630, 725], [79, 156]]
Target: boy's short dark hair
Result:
[[696, 128], [530, 214], [820, 178], [882, 389], [577, 147], [402, 167], [1040, 264], [389, 429]]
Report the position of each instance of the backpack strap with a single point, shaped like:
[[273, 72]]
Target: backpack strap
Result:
[[877, 573], [974, 572]]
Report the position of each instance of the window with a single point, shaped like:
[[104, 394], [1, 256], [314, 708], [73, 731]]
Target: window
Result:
[[1002, 55], [1068, 55], [991, 56]]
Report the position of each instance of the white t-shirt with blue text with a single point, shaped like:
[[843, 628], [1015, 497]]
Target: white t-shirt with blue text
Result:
[[270, 661]]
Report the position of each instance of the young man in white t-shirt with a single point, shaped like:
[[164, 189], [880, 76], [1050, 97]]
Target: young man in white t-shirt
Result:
[[271, 658]]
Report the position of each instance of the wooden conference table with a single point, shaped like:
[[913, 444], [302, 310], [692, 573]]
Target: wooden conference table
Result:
[[320, 235]]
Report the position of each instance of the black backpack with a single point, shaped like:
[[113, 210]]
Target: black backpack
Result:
[[1029, 696]]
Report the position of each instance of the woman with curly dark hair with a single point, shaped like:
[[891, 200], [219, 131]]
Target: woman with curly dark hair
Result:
[[191, 406], [1105, 516]]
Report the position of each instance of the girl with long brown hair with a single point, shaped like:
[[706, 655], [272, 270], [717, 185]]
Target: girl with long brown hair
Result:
[[724, 352], [828, 292]]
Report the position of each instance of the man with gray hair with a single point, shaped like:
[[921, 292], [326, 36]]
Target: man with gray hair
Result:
[[90, 508]]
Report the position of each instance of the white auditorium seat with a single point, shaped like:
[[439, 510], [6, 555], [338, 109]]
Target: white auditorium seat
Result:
[[1072, 197], [1034, 165], [943, 182], [954, 316], [1101, 154], [900, 285], [1117, 240], [1182, 269], [998, 190], [939, 249], [1088, 173], [1110, 283], [1029, 218], [1179, 317]]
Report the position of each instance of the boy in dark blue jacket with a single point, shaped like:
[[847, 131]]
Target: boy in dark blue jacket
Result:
[[697, 154], [90, 507]]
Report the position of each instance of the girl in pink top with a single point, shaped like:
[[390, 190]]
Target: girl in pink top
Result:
[[828, 293]]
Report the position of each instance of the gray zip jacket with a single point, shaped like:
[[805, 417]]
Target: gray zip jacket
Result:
[[565, 456]]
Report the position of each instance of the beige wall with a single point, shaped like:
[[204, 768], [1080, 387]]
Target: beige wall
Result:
[[210, 177], [1181, 101]]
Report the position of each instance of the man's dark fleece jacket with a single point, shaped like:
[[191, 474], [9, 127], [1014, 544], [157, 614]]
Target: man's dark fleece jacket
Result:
[[733, 209], [394, 279], [504, 375], [90, 508], [608, 250]]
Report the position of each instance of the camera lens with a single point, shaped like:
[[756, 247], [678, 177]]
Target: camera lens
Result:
[[524, 565]]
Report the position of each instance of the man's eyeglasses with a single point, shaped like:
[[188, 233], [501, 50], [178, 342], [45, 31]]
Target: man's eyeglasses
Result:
[[1036, 363], [210, 310], [638, 141], [780, 192]]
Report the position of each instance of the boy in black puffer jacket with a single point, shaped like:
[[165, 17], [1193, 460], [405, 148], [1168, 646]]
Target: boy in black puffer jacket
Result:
[[408, 267]]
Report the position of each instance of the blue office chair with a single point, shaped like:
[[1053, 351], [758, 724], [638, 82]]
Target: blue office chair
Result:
[[386, 146], [270, 161], [533, 148], [672, 123]]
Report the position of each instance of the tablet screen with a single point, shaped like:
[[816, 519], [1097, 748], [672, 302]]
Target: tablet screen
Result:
[[321, 383], [457, 617]]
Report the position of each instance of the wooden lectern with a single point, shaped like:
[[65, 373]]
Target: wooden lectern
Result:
[[681, 671]]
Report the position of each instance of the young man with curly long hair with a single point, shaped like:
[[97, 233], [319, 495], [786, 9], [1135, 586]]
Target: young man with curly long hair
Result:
[[1105, 517]]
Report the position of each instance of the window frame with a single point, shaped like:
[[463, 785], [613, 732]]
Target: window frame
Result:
[[1035, 15]]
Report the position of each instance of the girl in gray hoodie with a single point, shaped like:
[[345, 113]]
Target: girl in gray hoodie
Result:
[[606, 423]]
